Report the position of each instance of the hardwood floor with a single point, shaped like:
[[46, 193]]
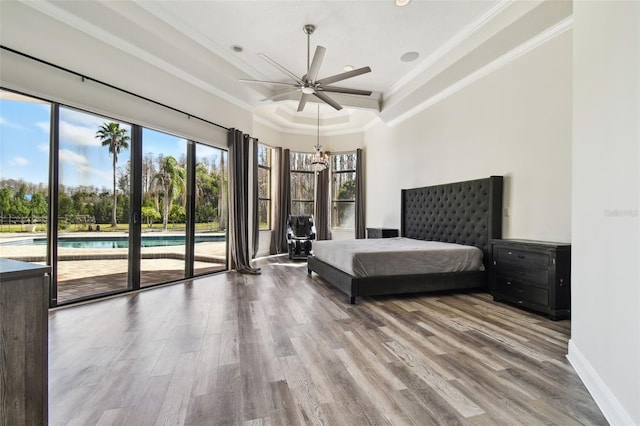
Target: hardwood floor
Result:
[[283, 348]]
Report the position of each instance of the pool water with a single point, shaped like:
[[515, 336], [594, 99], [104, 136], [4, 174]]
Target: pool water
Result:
[[119, 242]]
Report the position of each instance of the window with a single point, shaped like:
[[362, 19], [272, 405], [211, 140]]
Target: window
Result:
[[302, 184], [264, 186], [343, 191], [106, 172], [24, 173]]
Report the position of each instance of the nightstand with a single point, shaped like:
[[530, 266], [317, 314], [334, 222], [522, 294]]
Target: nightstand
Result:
[[382, 232], [532, 274]]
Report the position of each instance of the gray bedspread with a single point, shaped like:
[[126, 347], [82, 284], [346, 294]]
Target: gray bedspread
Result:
[[397, 256]]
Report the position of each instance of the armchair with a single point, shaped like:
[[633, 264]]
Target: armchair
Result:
[[300, 232]]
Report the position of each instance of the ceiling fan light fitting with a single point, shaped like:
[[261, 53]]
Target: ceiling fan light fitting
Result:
[[308, 90], [401, 3]]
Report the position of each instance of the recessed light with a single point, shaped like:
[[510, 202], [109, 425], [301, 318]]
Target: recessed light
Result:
[[409, 56], [348, 68], [402, 2], [237, 49]]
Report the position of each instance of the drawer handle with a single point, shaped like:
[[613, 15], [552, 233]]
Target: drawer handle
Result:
[[508, 282]]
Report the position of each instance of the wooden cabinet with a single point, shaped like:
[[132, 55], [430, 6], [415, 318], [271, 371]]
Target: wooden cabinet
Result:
[[532, 274], [382, 232], [24, 322]]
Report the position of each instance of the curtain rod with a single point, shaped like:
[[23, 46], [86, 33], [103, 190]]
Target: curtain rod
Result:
[[111, 86]]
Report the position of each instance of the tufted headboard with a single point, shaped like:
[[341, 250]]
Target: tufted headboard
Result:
[[467, 213]]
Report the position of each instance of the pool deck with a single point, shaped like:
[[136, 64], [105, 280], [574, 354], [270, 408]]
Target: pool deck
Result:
[[84, 272]]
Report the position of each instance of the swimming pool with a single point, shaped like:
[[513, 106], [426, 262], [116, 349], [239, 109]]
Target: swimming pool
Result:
[[111, 242]]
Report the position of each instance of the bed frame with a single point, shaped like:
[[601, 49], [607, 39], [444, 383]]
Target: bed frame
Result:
[[467, 213]]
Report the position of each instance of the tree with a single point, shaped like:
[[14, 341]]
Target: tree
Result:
[[171, 180], [112, 136], [149, 214], [5, 201], [38, 205], [222, 210]]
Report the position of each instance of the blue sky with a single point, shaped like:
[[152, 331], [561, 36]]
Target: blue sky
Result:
[[24, 145]]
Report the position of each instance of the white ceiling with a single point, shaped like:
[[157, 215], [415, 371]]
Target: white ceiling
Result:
[[194, 39]]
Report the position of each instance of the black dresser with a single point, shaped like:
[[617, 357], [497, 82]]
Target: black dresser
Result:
[[382, 232], [532, 274]]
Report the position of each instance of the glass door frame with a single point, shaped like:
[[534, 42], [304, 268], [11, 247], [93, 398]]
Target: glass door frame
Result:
[[135, 205]]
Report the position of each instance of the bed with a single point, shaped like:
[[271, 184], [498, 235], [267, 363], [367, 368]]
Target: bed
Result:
[[463, 213]]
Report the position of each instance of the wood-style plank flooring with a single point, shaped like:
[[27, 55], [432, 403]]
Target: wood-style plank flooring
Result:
[[285, 348]]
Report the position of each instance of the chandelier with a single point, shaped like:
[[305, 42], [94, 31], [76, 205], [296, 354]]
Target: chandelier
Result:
[[319, 160]]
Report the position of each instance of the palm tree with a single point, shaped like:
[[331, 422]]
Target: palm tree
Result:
[[111, 135], [171, 179]]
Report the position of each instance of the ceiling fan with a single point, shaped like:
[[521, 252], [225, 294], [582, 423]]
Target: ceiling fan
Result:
[[308, 84]]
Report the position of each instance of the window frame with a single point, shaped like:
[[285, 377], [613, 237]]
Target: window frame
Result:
[[305, 171], [268, 168], [334, 201]]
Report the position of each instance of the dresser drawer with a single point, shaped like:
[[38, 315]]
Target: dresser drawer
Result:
[[522, 292], [532, 274], [537, 277], [521, 257], [382, 232]]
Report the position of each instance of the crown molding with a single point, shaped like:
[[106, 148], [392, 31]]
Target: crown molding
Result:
[[79, 24], [446, 48], [543, 37], [155, 9]]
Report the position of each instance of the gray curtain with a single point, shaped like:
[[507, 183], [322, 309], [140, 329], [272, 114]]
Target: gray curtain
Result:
[[360, 200], [254, 183], [322, 206], [239, 202], [281, 201]]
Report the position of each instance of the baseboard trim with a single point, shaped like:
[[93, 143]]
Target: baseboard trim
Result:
[[602, 395]]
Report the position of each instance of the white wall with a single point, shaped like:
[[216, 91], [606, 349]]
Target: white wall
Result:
[[514, 122], [605, 327]]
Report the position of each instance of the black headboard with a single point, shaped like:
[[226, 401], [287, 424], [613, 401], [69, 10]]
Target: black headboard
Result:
[[467, 213]]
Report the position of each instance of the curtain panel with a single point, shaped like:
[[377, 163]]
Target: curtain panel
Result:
[[254, 212], [239, 146], [281, 201], [360, 200]]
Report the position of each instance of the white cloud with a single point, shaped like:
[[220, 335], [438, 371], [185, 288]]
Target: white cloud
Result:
[[81, 164], [70, 157], [6, 123], [78, 135], [44, 147], [18, 161], [82, 118], [44, 126]]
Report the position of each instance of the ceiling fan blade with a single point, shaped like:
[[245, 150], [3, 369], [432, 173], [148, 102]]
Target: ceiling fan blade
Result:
[[303, 100], [318, 56], [279, 93], [281, 68], [328, 100], [335, 89], [344, 76], [279, 83]]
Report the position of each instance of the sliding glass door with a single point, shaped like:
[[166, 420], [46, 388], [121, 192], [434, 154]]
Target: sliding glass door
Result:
[[164, 197], [110, 206], [93, 205], [211, 210], [24, 177]]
